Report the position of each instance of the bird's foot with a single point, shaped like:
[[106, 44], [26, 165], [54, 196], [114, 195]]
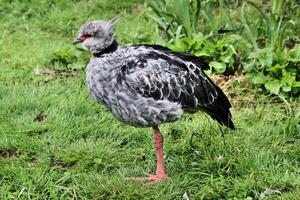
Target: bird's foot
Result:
[[152, 178]]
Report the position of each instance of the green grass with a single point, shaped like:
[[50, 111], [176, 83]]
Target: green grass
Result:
[[79, 151]]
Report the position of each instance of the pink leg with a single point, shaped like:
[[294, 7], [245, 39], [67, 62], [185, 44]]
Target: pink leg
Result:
[[160, 174], [159, 147]]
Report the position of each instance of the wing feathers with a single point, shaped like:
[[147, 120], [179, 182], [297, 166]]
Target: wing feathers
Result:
[[163, 74]]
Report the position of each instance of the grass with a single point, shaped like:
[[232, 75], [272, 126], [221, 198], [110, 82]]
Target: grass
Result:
[[56, 142]]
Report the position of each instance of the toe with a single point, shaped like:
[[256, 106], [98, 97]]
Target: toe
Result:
[[150, 177]]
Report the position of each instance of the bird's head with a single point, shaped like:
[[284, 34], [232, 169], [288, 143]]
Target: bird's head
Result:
[[96, 35]]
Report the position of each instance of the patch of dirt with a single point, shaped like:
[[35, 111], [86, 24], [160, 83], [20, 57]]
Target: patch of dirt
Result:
[[236, 87], [52, 74], [61, 164], [39, 118], [37, 132], [227, 83], [9, 153], [36, 160], [138, 8]]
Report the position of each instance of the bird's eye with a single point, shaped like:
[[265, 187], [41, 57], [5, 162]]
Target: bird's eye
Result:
[[84, 37]]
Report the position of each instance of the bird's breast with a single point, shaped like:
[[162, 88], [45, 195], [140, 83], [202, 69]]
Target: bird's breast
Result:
[[123, 100], [101, 82]]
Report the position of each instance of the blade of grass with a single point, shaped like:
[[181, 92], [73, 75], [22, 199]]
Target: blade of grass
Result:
[[248, 31]]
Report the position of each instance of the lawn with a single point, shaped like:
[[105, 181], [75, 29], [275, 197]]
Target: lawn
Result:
[[57, 143]]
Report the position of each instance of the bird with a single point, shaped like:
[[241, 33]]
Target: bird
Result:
[[147, 85]]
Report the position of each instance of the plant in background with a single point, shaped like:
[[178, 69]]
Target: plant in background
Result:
[[176, 19], [62, 58], [270, 63], [182, 18], [258, 46], [179, 22], [279, 72], [223, 56]]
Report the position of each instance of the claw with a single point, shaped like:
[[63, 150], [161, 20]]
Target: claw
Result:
[[153, 178]]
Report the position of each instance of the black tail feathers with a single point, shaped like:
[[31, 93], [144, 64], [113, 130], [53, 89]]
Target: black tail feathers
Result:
[[219, 109]]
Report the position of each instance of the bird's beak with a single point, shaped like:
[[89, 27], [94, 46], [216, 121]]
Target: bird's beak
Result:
[[78, 40]]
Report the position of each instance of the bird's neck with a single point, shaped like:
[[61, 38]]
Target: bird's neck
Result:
[[111, 48]]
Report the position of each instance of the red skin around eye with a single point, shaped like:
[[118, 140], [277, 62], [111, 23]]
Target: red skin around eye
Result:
[[84, 37]]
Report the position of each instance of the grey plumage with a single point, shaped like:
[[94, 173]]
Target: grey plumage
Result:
[[147, 85]]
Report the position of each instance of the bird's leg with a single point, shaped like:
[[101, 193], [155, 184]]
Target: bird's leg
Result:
[[158, 141], [160, 174]]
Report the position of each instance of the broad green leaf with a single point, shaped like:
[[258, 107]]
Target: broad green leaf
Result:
[[276, 69], [273, 86], [249, 66], [295, 52], [204, 47], [182, 44], [202, 53], [296, 84], [227, 55], [258, 78], [218, 66], [199, 44], [288, 78], [188, 41], [286, 88]]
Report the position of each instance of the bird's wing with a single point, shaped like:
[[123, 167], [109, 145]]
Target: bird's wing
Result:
[[197, 60], [159, 73]]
